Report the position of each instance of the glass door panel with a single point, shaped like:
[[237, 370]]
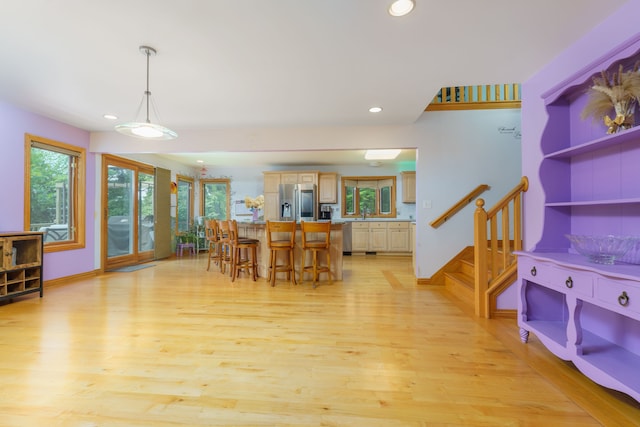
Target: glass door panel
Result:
[[146, 197], [120, 211]]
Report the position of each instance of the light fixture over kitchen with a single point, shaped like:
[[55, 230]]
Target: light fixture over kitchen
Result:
[[382, 154], [401, 7], [146, 129]]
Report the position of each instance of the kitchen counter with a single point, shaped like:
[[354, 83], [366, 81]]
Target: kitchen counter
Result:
[[257, 230]]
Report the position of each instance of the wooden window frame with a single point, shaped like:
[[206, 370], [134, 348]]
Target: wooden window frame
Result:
[[225, 181], [191, 181], [377, 213], [78, 198]]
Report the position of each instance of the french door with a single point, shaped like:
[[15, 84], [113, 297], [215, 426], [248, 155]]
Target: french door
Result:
[[128, 203]]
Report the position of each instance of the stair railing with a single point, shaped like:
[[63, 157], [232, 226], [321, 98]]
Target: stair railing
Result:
[[497, 234], [476, 97], [459, 205]]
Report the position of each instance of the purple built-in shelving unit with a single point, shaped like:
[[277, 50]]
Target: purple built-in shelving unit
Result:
[[585, 312]]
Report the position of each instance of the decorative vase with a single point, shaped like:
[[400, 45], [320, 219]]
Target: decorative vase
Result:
[[256, 212]]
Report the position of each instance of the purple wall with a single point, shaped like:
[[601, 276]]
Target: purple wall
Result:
[[612, 32], [14, 123]]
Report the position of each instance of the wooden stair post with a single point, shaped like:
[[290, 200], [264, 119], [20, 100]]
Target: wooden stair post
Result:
[[480, 258]]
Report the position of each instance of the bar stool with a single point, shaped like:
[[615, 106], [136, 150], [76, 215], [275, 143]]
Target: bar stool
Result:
[[316, 237], [213, 241], [280, 243], [224, 230], [244, 253]]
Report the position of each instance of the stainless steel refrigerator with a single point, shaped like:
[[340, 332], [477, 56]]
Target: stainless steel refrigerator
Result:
[[298, 202]]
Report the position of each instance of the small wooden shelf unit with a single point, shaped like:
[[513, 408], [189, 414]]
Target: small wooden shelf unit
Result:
[[20, 264]]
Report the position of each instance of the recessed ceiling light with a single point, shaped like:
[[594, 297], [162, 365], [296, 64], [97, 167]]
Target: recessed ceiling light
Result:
[[110, 117], [375, 109], [200, 161], [382, 154], [401, 7]]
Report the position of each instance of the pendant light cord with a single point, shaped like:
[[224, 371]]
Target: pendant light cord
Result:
[[148, 92]]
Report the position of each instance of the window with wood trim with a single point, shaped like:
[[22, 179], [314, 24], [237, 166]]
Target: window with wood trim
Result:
[[55, 192], [215, 198], [368, 196]]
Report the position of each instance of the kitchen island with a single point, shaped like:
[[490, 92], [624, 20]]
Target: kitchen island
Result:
[[257, 230]]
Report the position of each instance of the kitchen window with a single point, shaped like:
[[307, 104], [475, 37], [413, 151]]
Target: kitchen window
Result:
[[368, 196], [55, 192]]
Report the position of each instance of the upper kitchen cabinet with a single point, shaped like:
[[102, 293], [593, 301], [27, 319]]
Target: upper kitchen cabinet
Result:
[[408, 187], [328, 188], [271, 182], [299, 178]]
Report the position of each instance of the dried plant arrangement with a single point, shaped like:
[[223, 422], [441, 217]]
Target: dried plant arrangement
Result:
[[619, 94]]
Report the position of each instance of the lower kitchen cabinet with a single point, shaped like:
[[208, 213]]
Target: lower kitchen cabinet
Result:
[[398, 237], [380, 236]]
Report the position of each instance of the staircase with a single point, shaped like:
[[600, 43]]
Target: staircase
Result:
[[480, 273], [460, 281]]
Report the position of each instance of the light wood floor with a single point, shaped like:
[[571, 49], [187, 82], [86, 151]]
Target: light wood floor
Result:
[[174, 345]]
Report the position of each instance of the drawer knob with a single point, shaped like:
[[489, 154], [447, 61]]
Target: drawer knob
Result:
[[569, 282], [533, 271], [623, 299]]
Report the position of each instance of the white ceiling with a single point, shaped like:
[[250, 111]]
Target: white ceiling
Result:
[[271, 63]]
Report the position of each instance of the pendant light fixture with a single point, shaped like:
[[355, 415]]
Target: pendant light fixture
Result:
[[146, 129]]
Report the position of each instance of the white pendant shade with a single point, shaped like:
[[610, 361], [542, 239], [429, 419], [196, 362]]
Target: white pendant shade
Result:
[[146, 129]]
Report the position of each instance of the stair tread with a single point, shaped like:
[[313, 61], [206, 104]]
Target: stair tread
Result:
[[462, 278]]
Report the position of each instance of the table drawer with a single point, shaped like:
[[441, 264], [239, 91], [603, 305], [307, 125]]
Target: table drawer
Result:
[[552, 276], [621, 295], [536, 271]]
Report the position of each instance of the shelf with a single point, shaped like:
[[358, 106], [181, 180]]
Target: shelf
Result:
[[615, 361], [627, 201], [626, 136], [552, 329], [21, 256]]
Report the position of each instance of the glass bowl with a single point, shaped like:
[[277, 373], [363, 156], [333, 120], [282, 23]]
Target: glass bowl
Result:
[[602, 249]]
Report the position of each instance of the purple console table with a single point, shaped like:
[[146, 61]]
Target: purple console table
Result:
[[586, 313]]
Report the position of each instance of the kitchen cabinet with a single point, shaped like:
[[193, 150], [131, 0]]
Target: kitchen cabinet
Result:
[[328, 188], [584, 312], [408, 187], [359, 237], [272, 181], [377, 236], [271, 206], [380, 236], [20, 264], [398, 237], [299, 178]]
